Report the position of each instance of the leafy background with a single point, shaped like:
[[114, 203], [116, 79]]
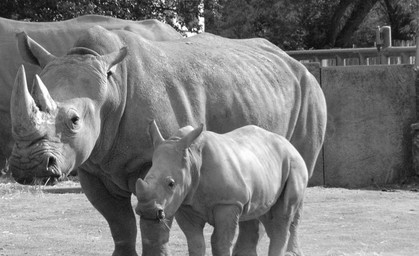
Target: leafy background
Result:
[[290, 24]]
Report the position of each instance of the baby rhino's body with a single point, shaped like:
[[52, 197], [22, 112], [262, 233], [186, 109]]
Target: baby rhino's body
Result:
[[224, 179]]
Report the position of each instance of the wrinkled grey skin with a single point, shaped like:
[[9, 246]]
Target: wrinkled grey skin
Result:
[[58, 38], [97, 103], [222, 179]]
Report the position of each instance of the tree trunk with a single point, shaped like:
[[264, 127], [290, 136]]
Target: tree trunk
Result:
[[360, 11], [335, 22]]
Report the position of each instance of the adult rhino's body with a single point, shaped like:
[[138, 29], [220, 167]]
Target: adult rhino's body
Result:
[[58, 37], [101, 100]]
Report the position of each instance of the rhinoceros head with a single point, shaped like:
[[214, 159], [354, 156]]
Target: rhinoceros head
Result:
[[169, 179], [55, 130]]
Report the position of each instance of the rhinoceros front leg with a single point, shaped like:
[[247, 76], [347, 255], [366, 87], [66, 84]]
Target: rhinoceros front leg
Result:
[[193, 228], [226, 219], [247, 241], [155, 236], [117, 211]]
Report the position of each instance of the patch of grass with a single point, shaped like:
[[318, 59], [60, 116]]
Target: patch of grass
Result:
[[15, 188], [7, 183], [5, 175], [8, 186]]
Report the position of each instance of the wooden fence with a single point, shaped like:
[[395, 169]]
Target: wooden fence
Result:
[[358, 56], [383, 54]]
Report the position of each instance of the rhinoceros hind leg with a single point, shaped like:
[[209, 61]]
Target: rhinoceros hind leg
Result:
[[278, 221], [277, 229], [117, 211], [248, 238], [293, 248]]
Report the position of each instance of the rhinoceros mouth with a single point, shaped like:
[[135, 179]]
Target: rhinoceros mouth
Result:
[[50, 181], [150, 211], [157, 215], [41, 174]]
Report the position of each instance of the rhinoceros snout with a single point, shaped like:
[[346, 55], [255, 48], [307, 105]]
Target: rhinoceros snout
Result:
[[160, 214], [150, 213], [51, 165], [45, 172]]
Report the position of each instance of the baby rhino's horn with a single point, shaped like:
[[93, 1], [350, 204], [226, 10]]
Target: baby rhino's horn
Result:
[[142, 190]]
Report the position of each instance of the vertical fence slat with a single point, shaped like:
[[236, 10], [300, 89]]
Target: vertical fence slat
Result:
[[339, 61], [417, 53], [405, 58], [361, 59]]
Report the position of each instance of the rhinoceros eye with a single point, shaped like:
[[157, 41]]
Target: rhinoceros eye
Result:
[[75, 120], [170, 182]]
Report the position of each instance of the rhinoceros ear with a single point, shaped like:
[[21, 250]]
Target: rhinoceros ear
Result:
[[114, 58], [155, 134], [32, 52], [186, 141]]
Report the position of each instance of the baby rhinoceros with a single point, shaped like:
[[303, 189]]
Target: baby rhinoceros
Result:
[[222, 179]]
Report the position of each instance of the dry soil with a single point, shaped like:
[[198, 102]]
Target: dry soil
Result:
[[336, 222]]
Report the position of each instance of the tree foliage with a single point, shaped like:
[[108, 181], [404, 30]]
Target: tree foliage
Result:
[[271, 19], [290, 24], [403, 17], [182, 15], [312, 24]]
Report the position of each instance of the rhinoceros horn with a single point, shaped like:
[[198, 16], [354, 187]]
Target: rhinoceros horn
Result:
[[142, 189], [42, 97], [25, 114]]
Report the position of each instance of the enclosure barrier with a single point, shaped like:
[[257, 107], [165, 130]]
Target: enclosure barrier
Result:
[[383, 53], [370, 109], [357, 56]]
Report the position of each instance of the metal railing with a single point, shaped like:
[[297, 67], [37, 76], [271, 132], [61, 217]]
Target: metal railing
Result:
[[357, 56], [382, 54]]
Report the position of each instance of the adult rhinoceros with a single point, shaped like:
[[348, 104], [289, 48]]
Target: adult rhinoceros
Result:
[[58, 37], [103, 94]]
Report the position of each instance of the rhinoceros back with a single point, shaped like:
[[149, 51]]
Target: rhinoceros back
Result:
[[224, 84]]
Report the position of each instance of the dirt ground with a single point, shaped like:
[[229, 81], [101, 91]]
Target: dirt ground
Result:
[[335, 222]]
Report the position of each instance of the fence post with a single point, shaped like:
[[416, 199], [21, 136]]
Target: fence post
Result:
[[417, 53], [386, 31], [415, 126]]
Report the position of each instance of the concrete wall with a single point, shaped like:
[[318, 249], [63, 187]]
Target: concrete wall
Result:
[[368, 139]]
